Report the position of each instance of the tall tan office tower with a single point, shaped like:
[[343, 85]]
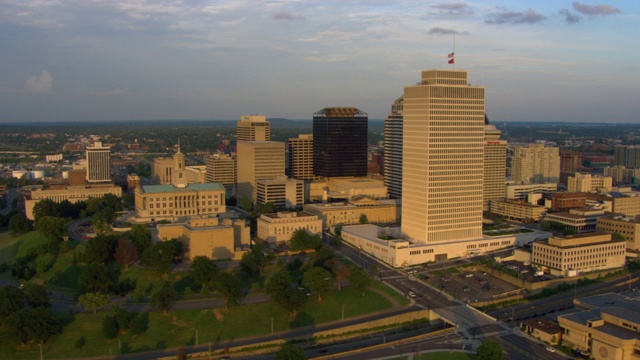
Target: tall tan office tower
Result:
[[443, 158], [495, 165], [393, 150], [258, 160], [300, 156], [98, 163], [535, 164], [253, 128]]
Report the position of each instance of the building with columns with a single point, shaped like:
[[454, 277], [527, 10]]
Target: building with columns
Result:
[[170, 202]]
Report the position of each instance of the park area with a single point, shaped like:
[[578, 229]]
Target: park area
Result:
[[193, 321]]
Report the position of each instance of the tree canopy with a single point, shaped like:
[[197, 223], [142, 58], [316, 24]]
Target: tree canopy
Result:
[[288, 351], [489, 350], [301, 240], [229, 287], [318, 280], [203, 271]]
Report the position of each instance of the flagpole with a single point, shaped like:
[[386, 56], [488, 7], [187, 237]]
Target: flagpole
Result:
[[454, 50]]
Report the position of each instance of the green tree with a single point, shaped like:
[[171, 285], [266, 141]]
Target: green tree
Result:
[[110, 327], [163, 297], [301, 240], [100, 249], [278, 283], [45, 207], [288, 351], [292, 299], [95, 278], [617, 237], [38, 324], [140, 323], [124, 318], [229, 287], [254, 261], [11, 300], [359, 279], [489, 350], [94, 301], [363, 219], [19, 224], [245, 203], [53, 228], [162, 255], [318, 280], [203, 271], [267, 208], [36, 295], [140, 236]]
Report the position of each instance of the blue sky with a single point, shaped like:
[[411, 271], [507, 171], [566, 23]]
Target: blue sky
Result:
[[87, 60]]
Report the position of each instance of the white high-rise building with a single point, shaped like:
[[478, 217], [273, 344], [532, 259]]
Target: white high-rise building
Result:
[[443, 158], [98, 163]]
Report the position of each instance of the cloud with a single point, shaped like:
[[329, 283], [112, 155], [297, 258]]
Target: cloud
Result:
[[453, 8], [42, 84], [513, 17], [285, 15], [569, 17], [443, 31], [601, 9]]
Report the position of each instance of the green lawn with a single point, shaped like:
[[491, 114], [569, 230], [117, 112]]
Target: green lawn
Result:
[[7, 246], [12, 246], [177, 328], [402, 300]]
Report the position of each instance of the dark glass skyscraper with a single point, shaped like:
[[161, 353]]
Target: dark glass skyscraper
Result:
[[340, 142]]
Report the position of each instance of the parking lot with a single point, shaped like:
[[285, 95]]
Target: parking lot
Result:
[[467, 283]]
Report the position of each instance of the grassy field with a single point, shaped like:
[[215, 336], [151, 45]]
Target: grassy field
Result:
[[178, 328], [12, 246]]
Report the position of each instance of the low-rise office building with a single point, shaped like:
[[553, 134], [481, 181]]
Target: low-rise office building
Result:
[[208, 236], [280, 226], [606, 328], [627, 227], [515, 190], [517, 210], [71, 193], [578, 220], [388, 245], [350, 212], [570, 255], [280, 191]]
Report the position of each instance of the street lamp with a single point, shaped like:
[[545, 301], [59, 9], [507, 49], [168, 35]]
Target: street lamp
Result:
[[342, 311], [271, 326]]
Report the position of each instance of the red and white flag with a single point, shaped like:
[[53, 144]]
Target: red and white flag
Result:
[[451, 61], [450, 55]]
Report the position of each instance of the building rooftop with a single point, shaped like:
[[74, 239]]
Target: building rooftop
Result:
[[150, 189]]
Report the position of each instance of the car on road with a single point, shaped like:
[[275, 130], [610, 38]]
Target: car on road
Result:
[[412, 294], [550, 349]]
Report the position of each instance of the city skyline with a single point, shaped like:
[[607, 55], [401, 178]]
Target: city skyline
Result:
[[121, 60]]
